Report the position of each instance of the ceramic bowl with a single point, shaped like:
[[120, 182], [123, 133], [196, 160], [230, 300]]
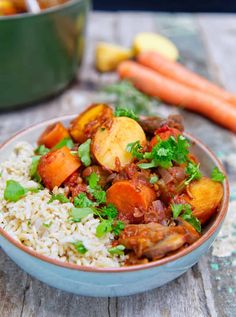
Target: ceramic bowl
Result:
[[40, 53], [108, 281]]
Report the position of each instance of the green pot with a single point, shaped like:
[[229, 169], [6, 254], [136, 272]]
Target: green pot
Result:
[[40, 54]]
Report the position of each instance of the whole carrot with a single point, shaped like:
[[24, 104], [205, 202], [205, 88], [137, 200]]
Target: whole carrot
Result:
[[172, 92], [178, 72]]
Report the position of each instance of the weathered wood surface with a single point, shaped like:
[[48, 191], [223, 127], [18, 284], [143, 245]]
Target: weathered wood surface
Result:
[[207, 45]]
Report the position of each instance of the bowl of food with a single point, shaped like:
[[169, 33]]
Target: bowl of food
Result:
[[41, 52], [109, 204]]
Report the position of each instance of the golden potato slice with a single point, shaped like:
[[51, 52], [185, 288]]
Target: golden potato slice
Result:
[[108, 56], [205, 197], [109, 145], [153, 42], [94, 116]]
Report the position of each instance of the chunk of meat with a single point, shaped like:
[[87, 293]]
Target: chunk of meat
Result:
[[53, 135], [154, 240], [151, 124], [204, 196], [132, 199], [56, 166], [75, 184], [157, 212]]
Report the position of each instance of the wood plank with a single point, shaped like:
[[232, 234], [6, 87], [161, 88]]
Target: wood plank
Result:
[[196, 293], [13, 284], [220, 41]]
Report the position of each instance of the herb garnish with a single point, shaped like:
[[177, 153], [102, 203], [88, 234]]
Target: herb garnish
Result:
[[84, 152], [65, 142], [135, 149], [80, 248], [153, 179], [60, 197], [193, 172], [78, 213], [14, 191], [104, 227], [95, 189], [118, 250], [34, 168], [47, 225], [41, 150], [185, 212], [217, 175], [125, 112], [126, 94], [81, 200], [164, 153]]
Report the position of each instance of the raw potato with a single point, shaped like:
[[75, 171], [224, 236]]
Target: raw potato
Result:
[[108, 56], [206, 197], [99, 112], [109, 145], [155, 43]]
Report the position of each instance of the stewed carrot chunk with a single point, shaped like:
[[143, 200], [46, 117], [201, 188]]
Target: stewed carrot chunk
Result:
[[56, 166], [53, 135], [131, 199]]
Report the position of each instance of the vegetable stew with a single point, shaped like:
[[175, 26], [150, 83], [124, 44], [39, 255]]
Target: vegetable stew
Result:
[[136, 175]]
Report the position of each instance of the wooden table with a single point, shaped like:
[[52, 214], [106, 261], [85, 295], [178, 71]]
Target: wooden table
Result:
[[208, 45]]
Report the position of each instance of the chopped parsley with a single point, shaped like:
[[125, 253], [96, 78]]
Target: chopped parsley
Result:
[[78, 213], [217, 175], [176, 209], [185, 212], [104, 227], [95, 189], [80, 248], [164, 153], [118, 250], [193, 172], [84, 153], [47, 225], [135, 149], [153, 179], [118, 227], [41, 150], [109, 211], [14, 191], [65, 142], [34, 168], [60, 197], [81, 200], [125, 112], [126, 94]]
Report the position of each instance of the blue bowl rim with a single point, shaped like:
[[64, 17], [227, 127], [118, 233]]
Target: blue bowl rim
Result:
[[216, 224]]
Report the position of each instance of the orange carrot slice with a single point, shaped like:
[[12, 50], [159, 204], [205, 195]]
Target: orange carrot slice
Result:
[[56, 166], [53, 135]]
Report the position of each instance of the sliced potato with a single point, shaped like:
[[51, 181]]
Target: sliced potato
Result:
[[156, 43], [205, 197], [109, 145], [108, 56], [95, 116]]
